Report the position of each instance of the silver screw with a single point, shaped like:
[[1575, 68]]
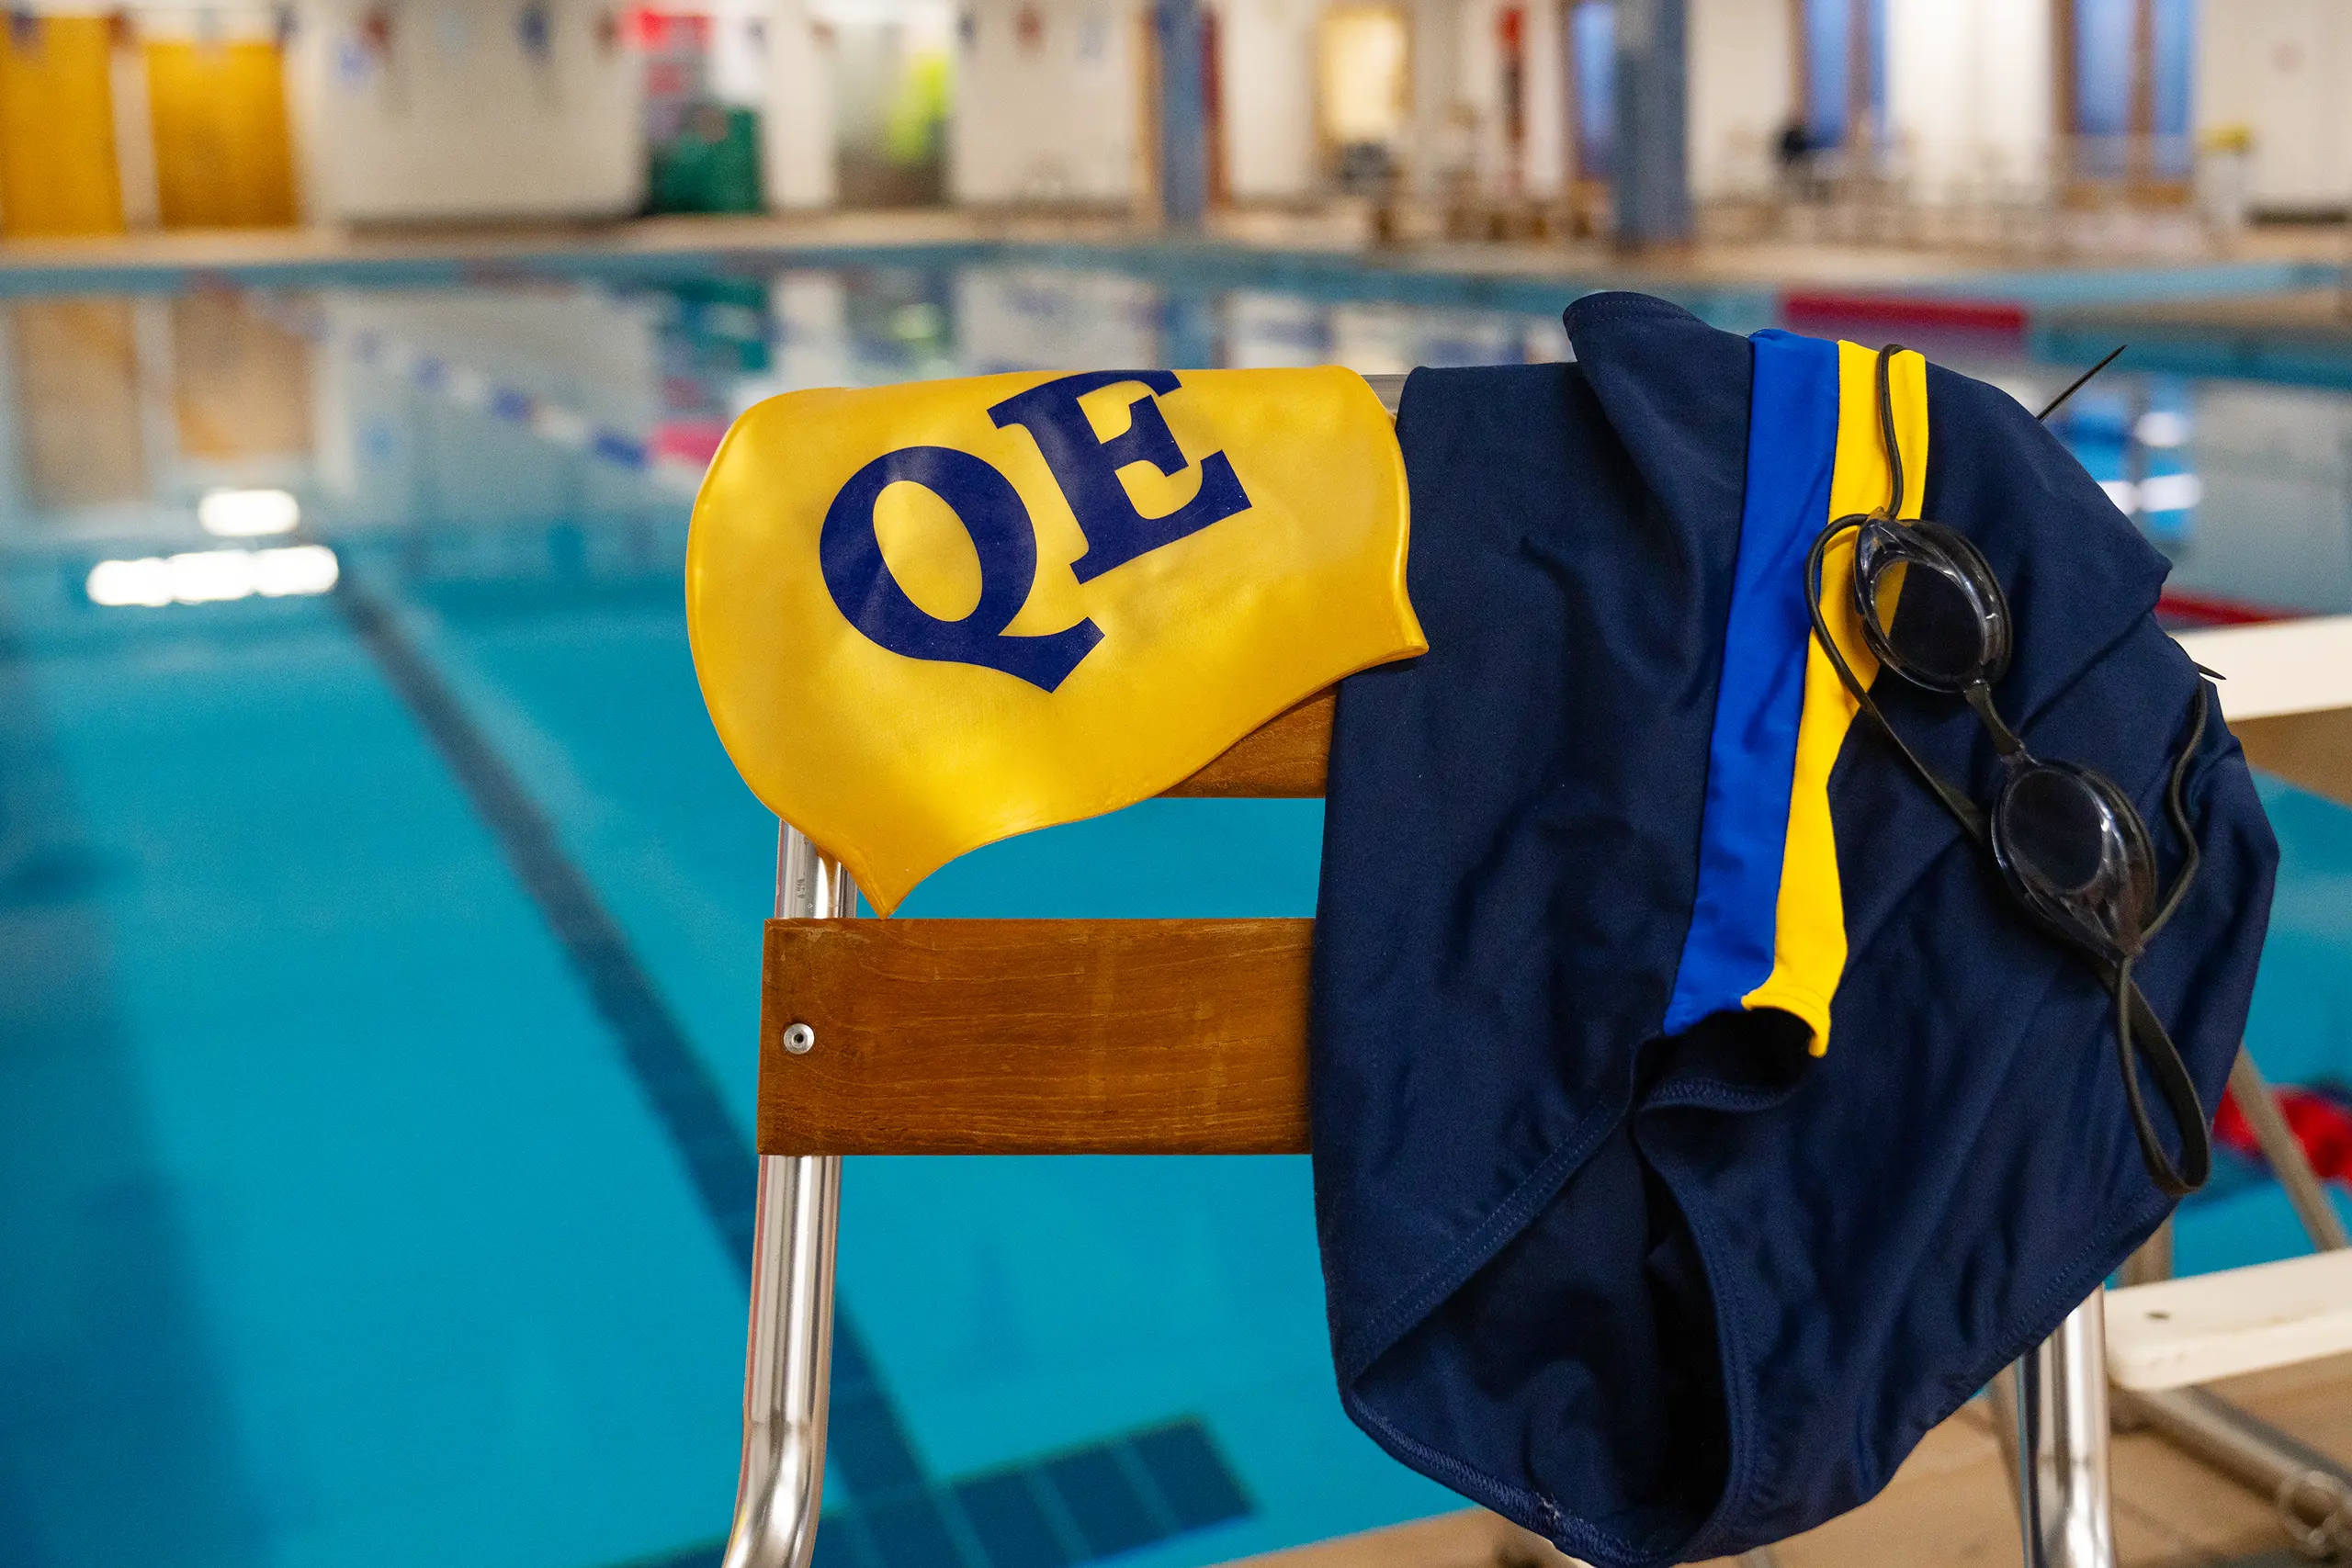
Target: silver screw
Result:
[[800, 1039]]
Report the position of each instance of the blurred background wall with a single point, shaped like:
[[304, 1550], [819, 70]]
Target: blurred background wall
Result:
[[1999, 121], [451, 111]]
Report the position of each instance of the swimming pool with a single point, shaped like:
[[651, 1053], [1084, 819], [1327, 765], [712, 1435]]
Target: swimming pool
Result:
[[378, 927]]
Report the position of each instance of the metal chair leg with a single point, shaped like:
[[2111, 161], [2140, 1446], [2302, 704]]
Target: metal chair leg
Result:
[[2152, 1261], [787, 1365], [2061, 1402], [2311, 1492], [788, 1360]]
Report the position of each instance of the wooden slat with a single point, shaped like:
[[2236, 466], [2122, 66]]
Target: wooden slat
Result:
[[2178, 1331], [1283, 760], [1035, 1037], [2302, 665], [2311, 749]]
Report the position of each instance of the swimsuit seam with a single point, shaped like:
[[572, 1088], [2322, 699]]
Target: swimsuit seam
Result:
[[1742, 1462], [1735, 1097], [1472, 1479]]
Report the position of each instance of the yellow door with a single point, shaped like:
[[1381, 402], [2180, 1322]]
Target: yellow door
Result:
[[1363, 80], [223, 158], [57, 162]]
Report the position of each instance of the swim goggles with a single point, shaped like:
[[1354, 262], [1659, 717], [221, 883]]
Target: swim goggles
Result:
[[2069, 844]]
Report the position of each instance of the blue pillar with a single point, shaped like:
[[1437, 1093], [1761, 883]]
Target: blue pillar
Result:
[[1184, 135], [1651, 183]]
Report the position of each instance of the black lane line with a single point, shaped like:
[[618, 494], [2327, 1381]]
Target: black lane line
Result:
[[1112, 1495], [685, 1098]]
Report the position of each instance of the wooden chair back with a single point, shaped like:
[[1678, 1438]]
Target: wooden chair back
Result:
[[1010, 1036]]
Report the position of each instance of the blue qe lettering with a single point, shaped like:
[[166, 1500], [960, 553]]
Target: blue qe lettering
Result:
[[1085, 466]]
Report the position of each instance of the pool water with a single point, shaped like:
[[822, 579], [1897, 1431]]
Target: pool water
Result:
[[380, 921]]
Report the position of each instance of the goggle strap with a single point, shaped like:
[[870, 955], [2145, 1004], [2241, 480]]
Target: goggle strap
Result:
[[2176, 807], [1887, 431], [2139, 1032]]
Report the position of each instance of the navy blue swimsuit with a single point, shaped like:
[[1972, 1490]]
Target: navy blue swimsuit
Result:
[[1668, 1297]]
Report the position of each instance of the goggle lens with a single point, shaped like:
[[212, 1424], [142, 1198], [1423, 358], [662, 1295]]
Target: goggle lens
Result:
[[1931, 625], [1931, 607], [2078, 855], [2059, 833]]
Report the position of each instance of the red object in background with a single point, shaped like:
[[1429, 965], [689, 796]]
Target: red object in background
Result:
[[694, 441], [2189, 607], [2322, 1123], [1510, 37], [376, 31], [1802, 306], [660, 30]]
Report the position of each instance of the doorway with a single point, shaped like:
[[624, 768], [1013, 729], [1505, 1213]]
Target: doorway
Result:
[[1841, 75], [1592, 89], [2124, 83], [1364, 94], [892, 84]]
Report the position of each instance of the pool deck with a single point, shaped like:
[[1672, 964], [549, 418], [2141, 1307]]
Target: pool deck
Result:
[[1951, 1502]]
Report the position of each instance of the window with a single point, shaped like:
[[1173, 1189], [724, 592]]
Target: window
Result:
[[1844, 68], [2128, 64]]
